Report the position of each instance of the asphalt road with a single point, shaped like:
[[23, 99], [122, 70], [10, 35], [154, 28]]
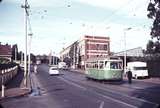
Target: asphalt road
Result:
[[73, 90]]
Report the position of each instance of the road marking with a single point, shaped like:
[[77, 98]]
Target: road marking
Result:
[[71, 83], [102, 104], [115, 100], [142, 100], [134, 87], [145, 101]]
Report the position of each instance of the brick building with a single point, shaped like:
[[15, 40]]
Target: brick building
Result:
[[85, 48]]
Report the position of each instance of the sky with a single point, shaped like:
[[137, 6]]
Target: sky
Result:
[[58, 23]]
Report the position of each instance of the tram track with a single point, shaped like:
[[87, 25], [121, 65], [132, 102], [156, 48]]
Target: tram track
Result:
[[112, 95]]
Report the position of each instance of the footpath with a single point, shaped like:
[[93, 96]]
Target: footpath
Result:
[[15, 87]]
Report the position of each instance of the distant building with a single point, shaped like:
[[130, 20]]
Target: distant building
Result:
[[135, 52], [85, 48], [5, 51]]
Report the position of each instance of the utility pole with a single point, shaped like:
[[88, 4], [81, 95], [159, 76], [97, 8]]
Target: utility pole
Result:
[[29, 54], [22, 58], [26, 14], [3, 87], [15, 54], [125, 52]]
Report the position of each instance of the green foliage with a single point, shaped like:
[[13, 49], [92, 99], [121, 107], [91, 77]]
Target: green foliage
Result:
[[67, 60], [7, 65], [154, 13], [14, 51], [3, 60]]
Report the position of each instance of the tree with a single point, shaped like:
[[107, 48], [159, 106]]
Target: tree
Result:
[[150, 47], [33, 58], [67, 60], [14, 51], [154, 13]]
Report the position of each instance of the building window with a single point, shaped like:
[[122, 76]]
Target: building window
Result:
[[105, 47]]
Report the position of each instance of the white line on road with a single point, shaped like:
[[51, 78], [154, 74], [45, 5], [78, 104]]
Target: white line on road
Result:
[[110, 98], [134, 87], [119, 101], [115, 100], [102, 104], [71, 83], [142, 100]]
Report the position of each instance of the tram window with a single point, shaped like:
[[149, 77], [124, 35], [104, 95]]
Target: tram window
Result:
[[105, 63], [120, 65], [92, 65], [101, 66], [87, 65], [115, 65]]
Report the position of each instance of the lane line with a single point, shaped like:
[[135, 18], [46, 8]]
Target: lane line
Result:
[[145, 101], [133, 87], [101, 104], [115, 100], [74, 84], [138, 99], [107, 97]]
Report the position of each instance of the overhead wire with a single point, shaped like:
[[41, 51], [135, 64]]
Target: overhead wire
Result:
[[138, 7]]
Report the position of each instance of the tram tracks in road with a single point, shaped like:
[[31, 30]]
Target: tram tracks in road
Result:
[[112, 95], [120, 86]]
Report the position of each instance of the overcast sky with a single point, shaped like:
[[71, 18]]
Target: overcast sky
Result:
[[58, 23]]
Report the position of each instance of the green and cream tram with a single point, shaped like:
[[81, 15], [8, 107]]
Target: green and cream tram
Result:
[[104, 68]]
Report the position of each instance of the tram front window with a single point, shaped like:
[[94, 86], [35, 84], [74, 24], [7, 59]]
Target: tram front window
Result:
[[116, 65]]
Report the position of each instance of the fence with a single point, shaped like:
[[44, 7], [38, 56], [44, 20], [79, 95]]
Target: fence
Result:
[[7, 74]]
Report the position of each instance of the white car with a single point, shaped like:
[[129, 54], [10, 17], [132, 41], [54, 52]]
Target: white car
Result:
[[53, 71]]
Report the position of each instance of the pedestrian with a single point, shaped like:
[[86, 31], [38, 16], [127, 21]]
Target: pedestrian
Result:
[[129, 76], [35, 68]]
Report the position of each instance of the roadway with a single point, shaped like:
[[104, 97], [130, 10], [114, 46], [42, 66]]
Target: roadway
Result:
[[73, 90]]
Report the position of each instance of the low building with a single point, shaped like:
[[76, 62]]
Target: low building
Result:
[[135, 52], [85, 48], [5, 52]]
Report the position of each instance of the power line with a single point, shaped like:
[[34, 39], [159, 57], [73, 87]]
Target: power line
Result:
[[108, 19]]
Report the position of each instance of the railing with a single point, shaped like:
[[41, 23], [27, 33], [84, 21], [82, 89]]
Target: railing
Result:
[[7, 74]]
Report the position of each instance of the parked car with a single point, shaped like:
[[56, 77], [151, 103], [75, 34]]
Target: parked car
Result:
[[62, 65], [53, 71]]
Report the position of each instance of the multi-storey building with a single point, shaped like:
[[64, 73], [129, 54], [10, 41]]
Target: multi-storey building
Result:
[[85, 48]]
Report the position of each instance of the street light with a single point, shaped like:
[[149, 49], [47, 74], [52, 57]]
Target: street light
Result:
[[125, 52], [26, 7]]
